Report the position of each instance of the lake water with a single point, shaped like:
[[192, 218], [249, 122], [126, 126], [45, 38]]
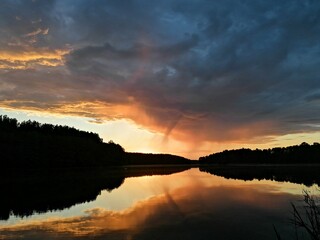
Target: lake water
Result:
[[142, 203]]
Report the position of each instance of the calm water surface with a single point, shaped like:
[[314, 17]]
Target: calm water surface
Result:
[[187, 204]]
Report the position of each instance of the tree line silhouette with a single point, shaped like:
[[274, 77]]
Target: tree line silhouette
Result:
[[298, 154], [150, 158], [30, 144]]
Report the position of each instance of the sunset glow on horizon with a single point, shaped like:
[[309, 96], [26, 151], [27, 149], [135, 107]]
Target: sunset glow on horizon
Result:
[[183, 77]]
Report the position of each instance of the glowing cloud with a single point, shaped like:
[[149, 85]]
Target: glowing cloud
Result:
[[198, 72], [29, 58]]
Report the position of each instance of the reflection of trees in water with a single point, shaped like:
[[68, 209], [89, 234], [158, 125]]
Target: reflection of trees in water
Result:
[[307, 175], [26, 192]]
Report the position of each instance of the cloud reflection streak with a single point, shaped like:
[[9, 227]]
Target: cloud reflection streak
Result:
[[185, 212]]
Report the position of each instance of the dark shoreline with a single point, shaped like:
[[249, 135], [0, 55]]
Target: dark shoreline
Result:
[[29, 191]]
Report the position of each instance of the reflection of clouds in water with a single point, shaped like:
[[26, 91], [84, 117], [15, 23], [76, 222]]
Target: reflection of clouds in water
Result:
[[192, 212], [142, 188]]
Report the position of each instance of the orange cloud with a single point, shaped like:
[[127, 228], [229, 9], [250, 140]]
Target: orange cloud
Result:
[[97, 110], [183, 129], [30, 57]]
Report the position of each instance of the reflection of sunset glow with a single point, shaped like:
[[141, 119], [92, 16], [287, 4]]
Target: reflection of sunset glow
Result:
[[157, 202], [190, 199]]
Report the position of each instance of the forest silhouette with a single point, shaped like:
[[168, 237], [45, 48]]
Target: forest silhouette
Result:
[[30, 144], [298, 154]]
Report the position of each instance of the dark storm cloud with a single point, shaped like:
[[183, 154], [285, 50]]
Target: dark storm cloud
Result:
[[224, 69], [19, 19]]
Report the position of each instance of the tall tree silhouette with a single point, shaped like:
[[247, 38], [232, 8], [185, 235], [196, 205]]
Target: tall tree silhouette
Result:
[[32, 144]]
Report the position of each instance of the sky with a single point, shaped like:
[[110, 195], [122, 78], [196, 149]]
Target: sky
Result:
[[176, 76]]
